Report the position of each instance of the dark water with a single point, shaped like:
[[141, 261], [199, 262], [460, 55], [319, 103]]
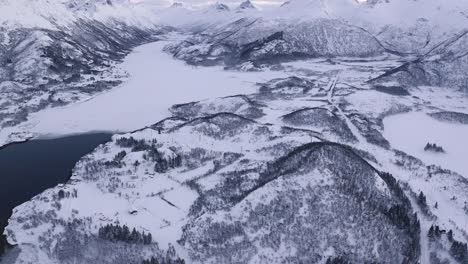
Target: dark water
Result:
[[27, 169]]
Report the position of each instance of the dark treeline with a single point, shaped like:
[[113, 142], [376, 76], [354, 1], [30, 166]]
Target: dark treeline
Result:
[[135, 145], [154, 260], [337, 260], [436, 232], [402, 216], [162, 164], [123, 233], [458, 250], [117, 161], [422, 202], [434, 147]]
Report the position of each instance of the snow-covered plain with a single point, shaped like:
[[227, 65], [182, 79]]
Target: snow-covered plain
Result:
[[410, 132], [157, 82]]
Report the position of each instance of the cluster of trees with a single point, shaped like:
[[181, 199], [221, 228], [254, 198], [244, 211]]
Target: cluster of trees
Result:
[[161, 166], [117, 160], [122, 233], [170, 258], [154, 260], [436, 232], [422, 202], [136, 145], [395, 187], [458, 250], [434, 147], [152, 154], [401, 215], [63, 194], [337, 260]]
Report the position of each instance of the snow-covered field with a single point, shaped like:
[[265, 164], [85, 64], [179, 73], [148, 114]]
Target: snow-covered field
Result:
[[157, 81], [410, 132]]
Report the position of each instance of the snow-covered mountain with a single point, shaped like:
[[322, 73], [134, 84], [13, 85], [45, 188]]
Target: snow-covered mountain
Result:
[[260, 39], [300, 170], [246, 6], [220, 7], [429, 35], [57, 53]]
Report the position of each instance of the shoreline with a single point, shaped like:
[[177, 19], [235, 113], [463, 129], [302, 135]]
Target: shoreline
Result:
[[57, 149]]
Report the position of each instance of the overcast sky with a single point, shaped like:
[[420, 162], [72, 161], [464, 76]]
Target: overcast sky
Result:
[[262, 4], [207, 2]]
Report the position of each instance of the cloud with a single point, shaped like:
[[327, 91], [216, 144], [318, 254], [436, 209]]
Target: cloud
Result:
[[208, 2]]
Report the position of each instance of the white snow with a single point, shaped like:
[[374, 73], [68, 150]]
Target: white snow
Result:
[[34, 13], [410, 132], [157, 81]]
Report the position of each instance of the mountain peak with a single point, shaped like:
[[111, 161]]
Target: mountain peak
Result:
[[220, 7], [177, 5], [246, 5], [91, 5]]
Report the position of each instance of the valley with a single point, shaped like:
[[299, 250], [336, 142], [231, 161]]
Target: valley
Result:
[[237, 136]]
